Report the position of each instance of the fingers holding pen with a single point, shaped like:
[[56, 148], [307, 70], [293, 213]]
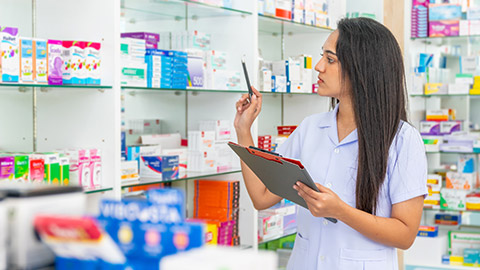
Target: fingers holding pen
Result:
[[243, 103]]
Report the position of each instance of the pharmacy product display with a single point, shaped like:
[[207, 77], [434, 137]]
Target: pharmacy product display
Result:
[[46, 61], [287, 76], [443, 87], [440, 19], [81, 167], [148, 62], [309, 12]]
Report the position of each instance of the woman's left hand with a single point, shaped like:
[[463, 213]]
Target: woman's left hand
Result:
[[325, 203]]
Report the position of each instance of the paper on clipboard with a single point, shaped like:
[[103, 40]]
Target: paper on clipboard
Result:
[[279, 174]]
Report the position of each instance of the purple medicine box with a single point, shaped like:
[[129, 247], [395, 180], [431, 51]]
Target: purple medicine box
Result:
[[151, 39], [55, 62], [443, 28], [7, 168]]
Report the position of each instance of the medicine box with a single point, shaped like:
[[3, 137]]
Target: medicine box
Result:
[[182, 159], [27, 56], [55, 62], [21, 168], [10, 54], [159, 167], [41, 61], [456, 180], [453, 199], [7, 168], [429, 127], [36, 170], [129, 170]]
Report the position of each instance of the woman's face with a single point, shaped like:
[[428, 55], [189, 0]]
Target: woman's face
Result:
[[329, 71]]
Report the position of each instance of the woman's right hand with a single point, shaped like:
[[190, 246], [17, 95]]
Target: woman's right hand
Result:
[[247, 112]]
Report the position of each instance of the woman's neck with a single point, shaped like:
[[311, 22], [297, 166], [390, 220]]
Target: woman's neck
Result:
[[346, 115], [345, 120]]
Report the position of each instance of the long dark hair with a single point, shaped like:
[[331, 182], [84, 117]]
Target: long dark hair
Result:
[[372, 62]]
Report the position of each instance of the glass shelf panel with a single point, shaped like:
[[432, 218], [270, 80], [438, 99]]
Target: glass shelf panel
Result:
[[184, 90], [97, 190], [189, 176], [147, 10], [278, 93], [446, 95], [272, 25], [55, 86], [446, 38], [276, 238], [456, 153]]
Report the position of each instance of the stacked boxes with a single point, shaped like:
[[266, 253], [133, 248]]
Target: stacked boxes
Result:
[[159, 68], [444, 20], [434, 184], [167, 69], [218, 203], [265, 142], [277, 221], [134, 69], [287, 76], [285, 130], [459, 184], [148, 230], [201, 151], [151, 39]]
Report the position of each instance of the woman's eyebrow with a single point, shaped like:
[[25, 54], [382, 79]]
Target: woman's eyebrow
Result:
[[329, 51]]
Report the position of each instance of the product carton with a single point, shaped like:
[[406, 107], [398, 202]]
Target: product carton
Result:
[[21, 168], [93, 63], [55, 62], [10, 54], [41, 62], [27, 56], [7, 168], [159, 167]]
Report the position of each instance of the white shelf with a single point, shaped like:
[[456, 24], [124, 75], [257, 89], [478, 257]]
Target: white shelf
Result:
[[443, 266]]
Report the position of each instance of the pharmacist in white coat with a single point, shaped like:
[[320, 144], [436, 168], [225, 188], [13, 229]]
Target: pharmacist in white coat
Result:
[[367, 161]]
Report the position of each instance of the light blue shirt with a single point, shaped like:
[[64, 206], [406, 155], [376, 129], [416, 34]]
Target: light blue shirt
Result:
[[321, 244]]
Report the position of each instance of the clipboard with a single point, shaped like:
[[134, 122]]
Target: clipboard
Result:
[[277, 173]]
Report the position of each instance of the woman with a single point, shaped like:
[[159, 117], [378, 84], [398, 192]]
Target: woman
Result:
[[367, 161]]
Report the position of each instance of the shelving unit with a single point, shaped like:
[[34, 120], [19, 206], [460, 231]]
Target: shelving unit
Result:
[[466, 105], [69, 116], [190, 176], [276, 238]]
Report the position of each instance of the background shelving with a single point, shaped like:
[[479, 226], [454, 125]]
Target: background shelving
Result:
[[188, 177]]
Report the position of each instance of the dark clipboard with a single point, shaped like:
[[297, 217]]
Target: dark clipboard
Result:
[[277, 173]]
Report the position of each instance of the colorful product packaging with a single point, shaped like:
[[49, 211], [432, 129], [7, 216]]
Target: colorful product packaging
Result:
[[459, 180], [428, 231], [10, 54], [473, 201], [159, 167], [95, 168], [73, 54], [7, 168], [458, 241], [141, 211], [430, 128], [52, 167], [182, 159], [453, 199], [27, 56], [80, 173], [440, 12], [448, 219], [93, 63], [129, 170], [36, 169], [55, 62], [40, 61], [21, 168], [64, 170], [443, 28]]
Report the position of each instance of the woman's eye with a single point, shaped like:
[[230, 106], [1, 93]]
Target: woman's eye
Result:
[[331, 61]]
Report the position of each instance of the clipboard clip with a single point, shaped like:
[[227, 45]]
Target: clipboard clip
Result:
[[264, 154]]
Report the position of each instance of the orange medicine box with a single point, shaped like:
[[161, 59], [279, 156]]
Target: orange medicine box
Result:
[[437, 115]]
